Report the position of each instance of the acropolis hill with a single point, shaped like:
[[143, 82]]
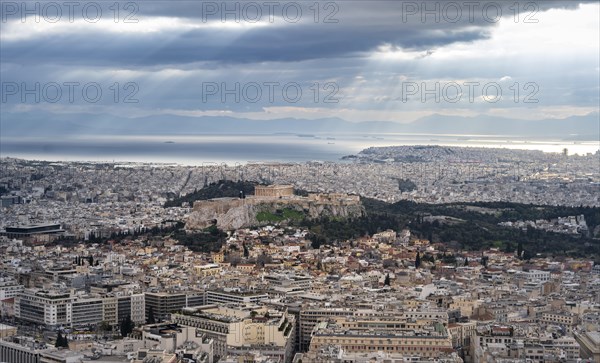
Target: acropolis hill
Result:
[[232, 213]]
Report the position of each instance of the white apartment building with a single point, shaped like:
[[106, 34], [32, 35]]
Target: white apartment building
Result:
[[9, 288], [537, 276], [54, 308], [41, 306]]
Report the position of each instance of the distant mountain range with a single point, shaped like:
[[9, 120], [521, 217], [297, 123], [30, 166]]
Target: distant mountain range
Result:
[[48, 124]]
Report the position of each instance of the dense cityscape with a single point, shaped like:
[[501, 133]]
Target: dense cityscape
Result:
[[323, 181], [135, 262]]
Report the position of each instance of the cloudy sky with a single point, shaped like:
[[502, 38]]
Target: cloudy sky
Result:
[[357, 60]]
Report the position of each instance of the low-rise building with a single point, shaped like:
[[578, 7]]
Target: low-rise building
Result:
[[429, 341], [237, 330]]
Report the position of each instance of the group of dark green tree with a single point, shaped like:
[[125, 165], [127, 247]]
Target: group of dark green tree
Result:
[[470, 229]]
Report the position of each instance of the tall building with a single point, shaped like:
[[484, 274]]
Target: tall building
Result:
[[132, 306], [162, 304], [55, 308], [51, 308], [86, 312]]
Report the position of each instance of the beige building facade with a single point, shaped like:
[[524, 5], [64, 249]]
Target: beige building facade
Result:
[[273, 191]]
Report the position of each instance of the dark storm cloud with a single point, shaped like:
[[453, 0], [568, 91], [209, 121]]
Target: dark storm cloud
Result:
[[283, 42], [361, 11], [257, 45], [361, 27], [173, 51]]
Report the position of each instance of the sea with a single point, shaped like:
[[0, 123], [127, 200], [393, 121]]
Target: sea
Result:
[[242, 149]]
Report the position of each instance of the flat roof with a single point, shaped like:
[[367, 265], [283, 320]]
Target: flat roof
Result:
[[593, 336], [38, 225]]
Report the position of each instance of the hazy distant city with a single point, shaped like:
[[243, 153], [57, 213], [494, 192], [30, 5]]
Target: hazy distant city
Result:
[[366, 181]]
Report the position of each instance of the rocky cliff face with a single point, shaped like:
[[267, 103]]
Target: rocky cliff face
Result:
[[237, 213], [316, 210], [230, 218]]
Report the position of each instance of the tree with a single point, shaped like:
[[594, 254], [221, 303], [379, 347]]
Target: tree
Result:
[[246, 251], [61, 342], [484, 261], [418, 260], [127, 326], [151, 319], [387, 280], [520, 250], [466, 261], [91, 260]]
